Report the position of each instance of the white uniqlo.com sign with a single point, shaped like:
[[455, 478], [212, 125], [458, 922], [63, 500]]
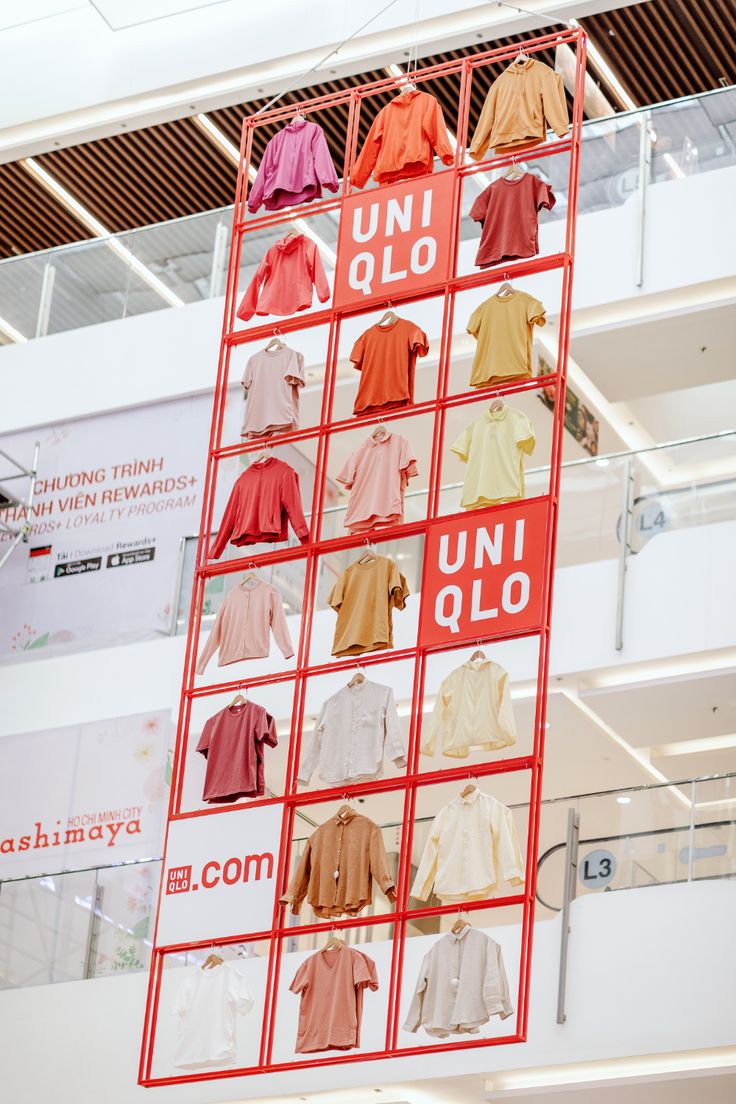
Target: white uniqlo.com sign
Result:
[[219, 875]]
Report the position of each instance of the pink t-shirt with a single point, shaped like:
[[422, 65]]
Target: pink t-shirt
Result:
[[232, 743], [331, 984], [271, 382], [376, 475]]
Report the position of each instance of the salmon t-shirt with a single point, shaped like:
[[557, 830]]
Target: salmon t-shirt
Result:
[[502, 326], [331, 985], [385, 356]]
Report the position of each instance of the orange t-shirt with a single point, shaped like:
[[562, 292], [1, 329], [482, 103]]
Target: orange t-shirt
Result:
[[385, 356]]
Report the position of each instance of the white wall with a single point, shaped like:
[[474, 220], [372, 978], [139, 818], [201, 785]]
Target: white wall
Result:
[[174, 351], [650, 971]]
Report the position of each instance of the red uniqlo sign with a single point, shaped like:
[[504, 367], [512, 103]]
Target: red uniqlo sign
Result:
[[483, 574], [394, 240]]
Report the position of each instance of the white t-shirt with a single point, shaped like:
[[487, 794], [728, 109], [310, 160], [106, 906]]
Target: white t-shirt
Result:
[[207, 1003]]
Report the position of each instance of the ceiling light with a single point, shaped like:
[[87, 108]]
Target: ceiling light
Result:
[[220, 139], [603, 462], [52, 185], [11, 332], [623, 799], [694, 747]]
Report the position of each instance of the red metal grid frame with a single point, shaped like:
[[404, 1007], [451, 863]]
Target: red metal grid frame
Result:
[[316, 548]]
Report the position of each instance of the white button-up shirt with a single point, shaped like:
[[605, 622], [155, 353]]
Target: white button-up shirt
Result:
[[472, 845], [461, 984], [472, 711], [352, 731]]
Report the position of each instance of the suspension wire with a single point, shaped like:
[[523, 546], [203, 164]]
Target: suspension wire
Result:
[[538, 12], [308, 72]]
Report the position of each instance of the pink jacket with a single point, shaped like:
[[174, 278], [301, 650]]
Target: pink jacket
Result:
[[285, 279], [295, 166]]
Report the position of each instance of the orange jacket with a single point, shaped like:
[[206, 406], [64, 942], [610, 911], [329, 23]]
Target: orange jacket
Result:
[[519, 105], [403, 139]]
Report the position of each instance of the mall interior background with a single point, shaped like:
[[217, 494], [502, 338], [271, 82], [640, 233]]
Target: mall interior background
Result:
[[117, 177]]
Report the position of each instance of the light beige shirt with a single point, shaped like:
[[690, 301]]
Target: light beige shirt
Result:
[[354, 728], [461, 984], [493, 448], [472, 711], [472, 846], [244, 624]]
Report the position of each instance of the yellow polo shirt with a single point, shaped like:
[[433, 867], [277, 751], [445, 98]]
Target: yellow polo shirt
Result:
[[493, 448]]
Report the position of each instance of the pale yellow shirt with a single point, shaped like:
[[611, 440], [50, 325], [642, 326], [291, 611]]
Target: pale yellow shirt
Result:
[[493, 448], [472, 846], [472, 711], [503, 327]]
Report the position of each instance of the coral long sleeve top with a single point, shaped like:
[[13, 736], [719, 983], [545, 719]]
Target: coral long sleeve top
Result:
[[262, 502], [286, 279], [402, 141]]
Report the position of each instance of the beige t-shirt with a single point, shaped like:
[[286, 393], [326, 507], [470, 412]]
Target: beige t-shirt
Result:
[[364, 597], [493, 448], [503, 329]]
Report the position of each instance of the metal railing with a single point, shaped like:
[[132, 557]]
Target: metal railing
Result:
[[97, 922], [183, 260]]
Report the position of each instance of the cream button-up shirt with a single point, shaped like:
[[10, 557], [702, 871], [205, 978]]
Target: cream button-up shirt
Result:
[[472, 846], [472, 711], [353, 730], [461, 984]]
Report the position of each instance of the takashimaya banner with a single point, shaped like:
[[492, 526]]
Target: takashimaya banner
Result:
[[114, 496], [88, 795]]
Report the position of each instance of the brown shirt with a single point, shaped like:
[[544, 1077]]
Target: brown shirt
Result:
[[331, 984], [340, 861], [364, 597], [385, 356]]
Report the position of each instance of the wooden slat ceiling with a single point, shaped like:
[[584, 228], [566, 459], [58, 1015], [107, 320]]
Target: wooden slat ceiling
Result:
[[660, 49]]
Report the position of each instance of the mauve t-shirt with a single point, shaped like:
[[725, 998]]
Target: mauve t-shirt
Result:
[[507, 210], [232, 743], [331, 985]]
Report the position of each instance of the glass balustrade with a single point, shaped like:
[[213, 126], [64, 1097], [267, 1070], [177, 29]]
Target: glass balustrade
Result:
[[184, 260]]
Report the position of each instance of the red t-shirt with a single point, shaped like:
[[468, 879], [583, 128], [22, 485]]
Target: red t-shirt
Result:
[[507, 210], [232, 743]]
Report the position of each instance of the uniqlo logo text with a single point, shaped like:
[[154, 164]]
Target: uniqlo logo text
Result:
[[179, 879]]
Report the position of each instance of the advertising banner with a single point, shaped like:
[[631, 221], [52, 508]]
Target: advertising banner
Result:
[[64, 807], [114, 496], [483, 574], [394, 240], [219, 875]]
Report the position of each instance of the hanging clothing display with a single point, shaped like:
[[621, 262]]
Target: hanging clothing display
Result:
[[271, 383], [402, 141], [244, 623], [471, 847], [232, 743], [331, 984], [286, 279], [503, 327], [508, 213], [295, 167], [472, 712], [521, 103], [461, 984], [341, 859], [364, 597], [493, 448], [377, 475], [354, 729], [264, 499], [207, 1003], [386, 357]]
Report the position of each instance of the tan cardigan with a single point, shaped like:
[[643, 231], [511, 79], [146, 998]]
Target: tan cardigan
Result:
[[520, 104], [350, 846]]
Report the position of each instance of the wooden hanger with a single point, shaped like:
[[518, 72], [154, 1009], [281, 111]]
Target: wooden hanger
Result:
[[460, 923], [212, 960], [250, 574], [290, 234], [513, 172], [240, 698], [379, 432], [334, 942], [369, 555], [263, 455], [505, 288], [472, 785], [389, 315], [275, 343], [346, 807], [477, 654], [300, 117], [358, 677], [496, 405], [521, 57]]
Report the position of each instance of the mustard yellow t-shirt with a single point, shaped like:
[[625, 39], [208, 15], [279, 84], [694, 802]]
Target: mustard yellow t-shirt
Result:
[[364, 598], [493, 448], [503, 329]]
